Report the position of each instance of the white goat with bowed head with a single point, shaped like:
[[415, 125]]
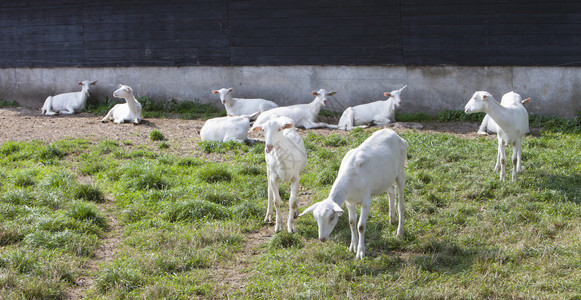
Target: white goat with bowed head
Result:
[[286, 158], [368, 170], [130, 111], [303, 115], [488, 125], [68, 103], [513, 123], [380, 112], [240, 106], [230, 128]]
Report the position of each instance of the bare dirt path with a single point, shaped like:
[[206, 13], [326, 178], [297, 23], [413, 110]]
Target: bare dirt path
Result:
[[27, 124]]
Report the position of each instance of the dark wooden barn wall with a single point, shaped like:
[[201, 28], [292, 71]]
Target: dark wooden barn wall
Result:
[[45, 33]]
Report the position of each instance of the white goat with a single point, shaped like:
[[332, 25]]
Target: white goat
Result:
[[513, 123], [286, 158], [240, 106], [125, 112], [488, 125], [380, 112], [230, 128], [368, 170], [303, 115], [68, 103]]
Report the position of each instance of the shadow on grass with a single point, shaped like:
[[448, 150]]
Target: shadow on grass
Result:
[[556, 188]]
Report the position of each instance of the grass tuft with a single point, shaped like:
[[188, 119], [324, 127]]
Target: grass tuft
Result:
[[284, 239], [88, 212], [156, 135], [215, 173], [195, 210]]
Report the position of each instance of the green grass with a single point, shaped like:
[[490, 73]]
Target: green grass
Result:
[[8, 103], [188, 224]]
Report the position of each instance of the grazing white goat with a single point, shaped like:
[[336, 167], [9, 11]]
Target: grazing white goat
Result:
[[240, 106], [303, 115], [68, 103], [230, 128], [368, 170], [380, 112], [488, 125], [130, 111], [286, 158], [513, 123]]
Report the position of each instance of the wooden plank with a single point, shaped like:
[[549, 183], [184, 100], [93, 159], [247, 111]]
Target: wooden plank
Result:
[[317, 60], [369, 41], [314, 32], [297, 12]]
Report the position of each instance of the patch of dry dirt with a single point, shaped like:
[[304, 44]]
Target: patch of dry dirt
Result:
[[26, 124]]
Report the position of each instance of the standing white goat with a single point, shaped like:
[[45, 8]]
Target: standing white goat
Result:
[[230, 128], [68, 103], [125, 112], [240, 106], [303, 115], [368, 170], [380, 112], [286, 158], [488, 125], [513, 123]]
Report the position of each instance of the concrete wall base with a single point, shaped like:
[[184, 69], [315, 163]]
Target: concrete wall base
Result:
[[554, 91]]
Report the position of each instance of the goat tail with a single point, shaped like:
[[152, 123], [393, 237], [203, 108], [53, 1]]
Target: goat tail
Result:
[[346, 120], [47, 105], [404, 152]]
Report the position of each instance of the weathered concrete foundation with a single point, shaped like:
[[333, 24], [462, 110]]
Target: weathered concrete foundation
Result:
[[555, 90]]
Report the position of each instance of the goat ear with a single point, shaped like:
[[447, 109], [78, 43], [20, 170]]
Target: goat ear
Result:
[[230, 90], [337, 209], [288, 125], [484, 96], [527, 100], [331, 93], [80, 83], [94, 82], [309, 209], [387, 94], [315, 94], [215, 92]]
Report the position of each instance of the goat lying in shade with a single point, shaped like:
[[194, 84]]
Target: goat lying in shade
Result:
[[68, 103], [380, 112], [303, 115], [241, 106], [230, 128], [130, 111]]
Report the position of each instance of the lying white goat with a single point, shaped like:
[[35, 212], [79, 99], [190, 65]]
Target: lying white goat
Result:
[[488, 125], [380, 112], [125, 112], [240, 106], [303, 115], [230, 128], [368, 170], [513, 123], [68, 103], [286, 158]]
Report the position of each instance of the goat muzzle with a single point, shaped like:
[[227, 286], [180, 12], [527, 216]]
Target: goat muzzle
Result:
[[268, 148]]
